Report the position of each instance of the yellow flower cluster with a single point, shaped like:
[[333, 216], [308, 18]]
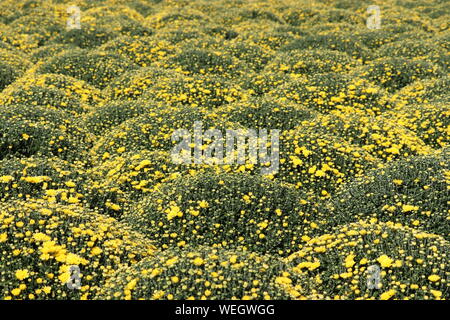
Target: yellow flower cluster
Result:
[[90, 196]]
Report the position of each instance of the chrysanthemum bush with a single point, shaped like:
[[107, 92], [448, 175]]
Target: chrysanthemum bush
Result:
[[430, 121], [7, 75], [40, 240], [259, 84], [53, 91], [32, 130], [255, 57], [101, 23], [327, 91], [200, 273], [113, 113], [50, 178], [265, 112], [48, 51], [342, 43], [196, 90], [319, 163], [410, 49], [15, 58], [153, 130], [413, 191], [141, 50], [96, 68], [304, 62], [87, 115], [413, 264], [133, 84], [40, 24], [381, 136], [393, 73], [224, 210], [423, 91], [194, 61]]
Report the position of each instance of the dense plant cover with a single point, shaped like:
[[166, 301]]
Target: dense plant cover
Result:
[[87, 178]]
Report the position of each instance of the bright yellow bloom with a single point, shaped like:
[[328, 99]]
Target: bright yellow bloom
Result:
[[22, 274]]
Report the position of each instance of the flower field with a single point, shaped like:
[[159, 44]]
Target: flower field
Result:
[[93, 205]]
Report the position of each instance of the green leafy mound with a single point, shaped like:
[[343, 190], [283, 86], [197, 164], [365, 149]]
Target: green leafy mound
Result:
[[307, 62], [53, 91], [133, 84], [39, 24], [117, 183], [416, 49], [199, 273], [318, 163], [85, 38], [381, 136], [423, 91], [337, 265], [259, 84], [339, 42], [254, 56], [260, 113], [48, 51], [95, 68], [202, 61], [7, 75], [390, 33], [430, 122], [153, 130], [414, 192], [113, 113], [328, 91], [36, 177], [223, 210], [393, 73], [40, 240], [197, 90], [27, 131], [143, 50]]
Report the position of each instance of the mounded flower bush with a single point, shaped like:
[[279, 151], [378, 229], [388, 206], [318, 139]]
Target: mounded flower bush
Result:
[[416, 49], [117, 183], [393, 73], [413, 192], [339, 42], [27, 131], [141, 50], [387, 139], [88, 165], [423, 91], [34, 177], [97, 69], [328, 91], [133, 84], [430, 121], [265, 113], [304, 62], [200, 273], [153, 130], [194, 61], [40, 240], [318, 163], [7, 75], [53, 91], [413, 264], [113, 113], [197, 90], [223, 210]]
